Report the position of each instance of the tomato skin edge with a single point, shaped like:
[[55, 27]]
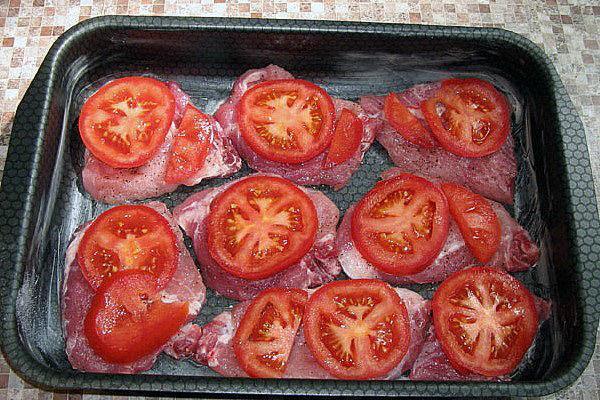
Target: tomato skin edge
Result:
[[329, 115], [111, 162], [96, 221], [443, 226], [438, 303], [313, 342], [422, 138], [450, 190], [357, 127], [178, 315], [172, 177], [214, 245], [428, 108], [238, 342]]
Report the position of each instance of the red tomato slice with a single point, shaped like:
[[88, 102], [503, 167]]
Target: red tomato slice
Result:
[[357, 329], [259, 226], [264, 339], [190, 146], [128, 237], [346, 139], [125, 122], [469, 117], [288, 121], [485, 320], [401, 224], [127, 319], [476, 219], [405, 123]]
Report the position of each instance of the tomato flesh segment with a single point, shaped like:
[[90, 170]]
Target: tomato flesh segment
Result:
[[405, 123], [401, 224], [357, 329], [127, 319], [190, 146], [264, 338], [346, 139], [468, 117], [288, 121], [128, 237], [476, 219], [485, 320], [259, 226], [126, 121]]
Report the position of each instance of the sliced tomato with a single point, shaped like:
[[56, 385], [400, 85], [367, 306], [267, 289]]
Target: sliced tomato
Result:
[[125, 122], [485, 320], [401, 224], [476, 219], [128, 237], [264, 338], [259, 226], [405, 123], [127, 319], [357, 329], [468, 117], [346, 139], [190, 146], [288, 120]]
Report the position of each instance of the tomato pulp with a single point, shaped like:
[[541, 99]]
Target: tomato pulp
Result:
[[259, 226]]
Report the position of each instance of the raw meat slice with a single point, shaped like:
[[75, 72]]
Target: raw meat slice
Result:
[[318, 266], [517, 252], [310, 172], [185, 343], [185, 285], [419, 312], [215, 348], [117, 185], [433, 365], [181, 101], [492, 176]]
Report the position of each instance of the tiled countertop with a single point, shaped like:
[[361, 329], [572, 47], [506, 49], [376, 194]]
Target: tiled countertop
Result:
[[568, 30]]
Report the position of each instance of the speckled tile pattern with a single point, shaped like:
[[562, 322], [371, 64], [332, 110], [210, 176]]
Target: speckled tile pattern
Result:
[[567, 30]]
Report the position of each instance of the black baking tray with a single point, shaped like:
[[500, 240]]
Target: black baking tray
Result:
[[42, 201]]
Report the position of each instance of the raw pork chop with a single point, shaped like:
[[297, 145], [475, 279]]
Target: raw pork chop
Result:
[[185, 343], [186, 285], [517, 252], [117, 185], [215, 348], [433, 365], [310, 172], [492, 176], [318, 266]]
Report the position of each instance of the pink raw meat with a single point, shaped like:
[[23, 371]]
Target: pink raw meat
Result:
[[492, 176], [310, 172], [318, 266], [185, 286], [433, 365], [117, 185], [517, 252], [185, 343], [215, 348]]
